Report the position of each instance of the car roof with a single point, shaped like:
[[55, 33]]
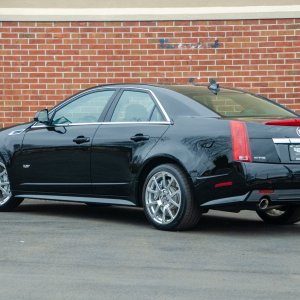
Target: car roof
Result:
[[175, 87]]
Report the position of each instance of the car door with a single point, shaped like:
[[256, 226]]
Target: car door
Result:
[[133, 126], [55, 159]]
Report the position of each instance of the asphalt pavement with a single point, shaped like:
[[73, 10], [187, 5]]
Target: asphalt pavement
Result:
[[52, 250]]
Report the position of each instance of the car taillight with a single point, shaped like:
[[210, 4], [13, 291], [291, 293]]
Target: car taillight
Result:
[[289, 122], [240, 141]]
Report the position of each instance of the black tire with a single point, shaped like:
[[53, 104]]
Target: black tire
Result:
[[286, 215], [167, 190], [7, 201]]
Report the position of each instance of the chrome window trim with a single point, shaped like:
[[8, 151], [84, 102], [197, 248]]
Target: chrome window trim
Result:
[[102, 123], [165, 115], [155, 98], [135, 122], [286, 140], [126, 88], [157, 102]]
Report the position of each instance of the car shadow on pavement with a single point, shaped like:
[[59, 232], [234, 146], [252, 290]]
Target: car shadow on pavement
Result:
[[213, 222], [238, 224], [119, 214]]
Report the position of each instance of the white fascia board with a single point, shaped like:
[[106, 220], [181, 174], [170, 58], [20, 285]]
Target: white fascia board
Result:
[[149, 14]]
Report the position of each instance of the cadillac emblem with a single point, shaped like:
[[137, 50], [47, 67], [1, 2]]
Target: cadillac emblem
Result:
[[298, 131]]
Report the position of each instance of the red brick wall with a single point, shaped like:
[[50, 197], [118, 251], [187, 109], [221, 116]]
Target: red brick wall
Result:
[[43, 63]]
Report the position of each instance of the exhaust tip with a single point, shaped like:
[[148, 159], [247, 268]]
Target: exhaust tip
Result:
[[263, 203]]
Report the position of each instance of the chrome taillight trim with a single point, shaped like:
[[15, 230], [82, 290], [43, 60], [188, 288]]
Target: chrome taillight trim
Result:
[[286, 140]]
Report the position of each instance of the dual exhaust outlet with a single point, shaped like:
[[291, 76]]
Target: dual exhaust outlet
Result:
[[264, 203]]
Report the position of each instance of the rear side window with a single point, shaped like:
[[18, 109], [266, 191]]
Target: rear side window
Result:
[[156, 116], [135, 106]]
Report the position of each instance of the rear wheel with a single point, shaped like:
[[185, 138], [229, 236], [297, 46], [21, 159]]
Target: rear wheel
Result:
[[288, 214], [7, 201], [167, 199]]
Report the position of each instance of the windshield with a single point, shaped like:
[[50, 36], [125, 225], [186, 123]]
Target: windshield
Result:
[[231, 103]]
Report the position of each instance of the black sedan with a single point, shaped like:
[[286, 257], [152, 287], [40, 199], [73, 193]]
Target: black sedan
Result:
[[176, 151]]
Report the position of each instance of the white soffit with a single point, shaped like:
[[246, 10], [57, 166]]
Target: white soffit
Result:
[[149, 14]]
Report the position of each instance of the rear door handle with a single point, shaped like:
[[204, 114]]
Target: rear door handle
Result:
[[81, 139], [140, 137]]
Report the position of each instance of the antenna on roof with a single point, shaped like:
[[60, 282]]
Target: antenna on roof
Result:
[[213, 86], [192, 80]]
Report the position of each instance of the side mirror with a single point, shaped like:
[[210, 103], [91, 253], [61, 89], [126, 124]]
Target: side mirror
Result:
[[42, 117]]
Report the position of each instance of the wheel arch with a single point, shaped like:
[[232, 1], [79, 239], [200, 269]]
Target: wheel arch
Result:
[[149, 165], [5, 159]]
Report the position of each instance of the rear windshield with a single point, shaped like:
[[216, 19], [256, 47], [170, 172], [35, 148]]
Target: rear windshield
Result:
[[230, 103]]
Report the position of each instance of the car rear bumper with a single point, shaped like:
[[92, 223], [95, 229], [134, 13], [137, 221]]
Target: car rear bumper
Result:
[[275, 196], [245, 184]]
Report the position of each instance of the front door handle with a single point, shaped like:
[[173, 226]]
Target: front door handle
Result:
[[81, 139], [140, 137]]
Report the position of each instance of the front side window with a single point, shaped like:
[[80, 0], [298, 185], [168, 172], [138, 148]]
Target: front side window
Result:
[[86, 109], [134, 106]]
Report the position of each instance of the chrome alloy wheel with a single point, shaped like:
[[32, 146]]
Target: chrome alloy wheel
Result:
[[163, 197], [5, 192]]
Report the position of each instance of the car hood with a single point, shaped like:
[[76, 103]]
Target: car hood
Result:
[[15, 128]]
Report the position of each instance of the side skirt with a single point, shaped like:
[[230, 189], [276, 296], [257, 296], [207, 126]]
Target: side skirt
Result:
[[78, 199]]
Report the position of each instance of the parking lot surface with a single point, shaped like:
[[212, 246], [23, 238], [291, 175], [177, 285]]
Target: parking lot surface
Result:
[[52, 250]]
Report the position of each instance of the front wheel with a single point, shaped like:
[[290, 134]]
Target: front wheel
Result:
[[288, 214], [7, 201], [167, 199]]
